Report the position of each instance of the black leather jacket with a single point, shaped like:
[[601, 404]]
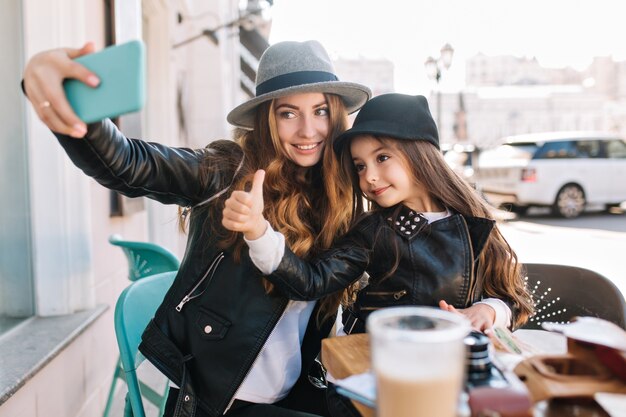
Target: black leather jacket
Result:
[[435, 261], [208, 344]]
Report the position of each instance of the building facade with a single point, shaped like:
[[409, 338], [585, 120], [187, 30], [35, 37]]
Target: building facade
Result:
[[507, 95], [377, 74]]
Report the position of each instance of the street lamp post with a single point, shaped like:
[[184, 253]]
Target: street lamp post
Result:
[[434, 68]]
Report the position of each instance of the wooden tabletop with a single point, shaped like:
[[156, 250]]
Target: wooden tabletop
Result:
[[349, 355]]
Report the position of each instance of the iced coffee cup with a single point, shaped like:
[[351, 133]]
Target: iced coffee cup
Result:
[[418, 358]]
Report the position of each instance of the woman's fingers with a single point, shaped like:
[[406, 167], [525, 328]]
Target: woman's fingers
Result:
[[243, 211], [87, 48], [77, 71], [57, 114], [46, 111], [81, 73], [52, 119], [231, 225], [43, 81], [71, 123], [239, 202], [236, 215]]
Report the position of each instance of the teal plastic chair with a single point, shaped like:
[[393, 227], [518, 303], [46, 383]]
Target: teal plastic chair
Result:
[[134, 309], [144, 259]]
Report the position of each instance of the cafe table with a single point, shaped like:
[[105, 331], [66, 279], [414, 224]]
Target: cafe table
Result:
[[344, 356]]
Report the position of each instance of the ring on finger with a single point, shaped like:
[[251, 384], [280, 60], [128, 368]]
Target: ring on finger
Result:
[[44, 104]]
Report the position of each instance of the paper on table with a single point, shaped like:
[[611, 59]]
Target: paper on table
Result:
[[613, 404], [359, 387], [505, 341], [592, 330]]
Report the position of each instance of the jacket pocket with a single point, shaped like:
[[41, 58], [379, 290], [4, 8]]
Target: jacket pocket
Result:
[[210, 325], [373, 300]]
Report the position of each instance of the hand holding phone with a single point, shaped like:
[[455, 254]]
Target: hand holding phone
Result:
[[121, 70]]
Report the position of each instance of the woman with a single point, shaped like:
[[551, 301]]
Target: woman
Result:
[[230, 343]]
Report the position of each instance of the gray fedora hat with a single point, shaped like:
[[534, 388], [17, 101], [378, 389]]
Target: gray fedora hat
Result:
[[288, 68]]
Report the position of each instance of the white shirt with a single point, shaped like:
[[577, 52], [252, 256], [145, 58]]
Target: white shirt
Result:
[[278, 366]]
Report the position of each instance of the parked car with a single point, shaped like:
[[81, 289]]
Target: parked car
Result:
[[566, 171], [463, 159]]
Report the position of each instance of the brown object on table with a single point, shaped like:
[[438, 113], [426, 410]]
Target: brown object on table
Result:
[[346, 355], [503, 402], [566, 376], [594, 363], [613, 359]]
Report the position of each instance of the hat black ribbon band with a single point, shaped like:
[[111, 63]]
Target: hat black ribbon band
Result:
[[294, 79]]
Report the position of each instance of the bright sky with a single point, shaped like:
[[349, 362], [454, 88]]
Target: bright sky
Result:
[[558, 32]]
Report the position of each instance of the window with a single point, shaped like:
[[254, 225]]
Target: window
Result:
[[557, 150], [16, 276], [616, 149], [588, 149]]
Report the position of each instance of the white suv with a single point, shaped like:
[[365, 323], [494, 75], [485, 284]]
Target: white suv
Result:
[[566, 171]]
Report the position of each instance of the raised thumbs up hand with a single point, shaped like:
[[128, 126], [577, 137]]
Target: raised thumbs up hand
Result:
[[243, 211]]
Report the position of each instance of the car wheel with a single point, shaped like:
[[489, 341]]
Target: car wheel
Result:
[[570, 201]]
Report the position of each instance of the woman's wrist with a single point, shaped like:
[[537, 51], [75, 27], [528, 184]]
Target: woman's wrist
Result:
[[257, 231]]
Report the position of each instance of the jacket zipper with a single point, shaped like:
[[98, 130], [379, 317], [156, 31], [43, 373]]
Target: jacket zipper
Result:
[[232, 399], [212, 268], [396, 295], [472, 284]]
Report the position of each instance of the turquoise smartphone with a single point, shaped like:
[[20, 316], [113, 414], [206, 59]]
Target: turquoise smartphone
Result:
[[121, 69]]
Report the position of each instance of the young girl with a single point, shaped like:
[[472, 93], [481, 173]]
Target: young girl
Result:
[[428, 239]]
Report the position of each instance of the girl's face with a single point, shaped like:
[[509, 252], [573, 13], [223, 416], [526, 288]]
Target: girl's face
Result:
[[303, 124], [383, 175]]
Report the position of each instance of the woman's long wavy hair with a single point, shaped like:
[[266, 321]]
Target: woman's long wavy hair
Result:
[[498, 264], [308, 205]]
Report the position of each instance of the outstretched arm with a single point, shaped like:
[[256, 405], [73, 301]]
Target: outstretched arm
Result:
[[132, 167]]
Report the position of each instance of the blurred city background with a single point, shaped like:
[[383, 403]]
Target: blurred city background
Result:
[[492, 70]]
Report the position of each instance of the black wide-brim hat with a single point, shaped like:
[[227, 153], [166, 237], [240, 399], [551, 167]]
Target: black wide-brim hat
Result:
[[287, 68], [394, 115]]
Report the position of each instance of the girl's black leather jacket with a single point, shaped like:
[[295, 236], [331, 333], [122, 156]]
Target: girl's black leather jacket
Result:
[[428, 263], [216, 317]]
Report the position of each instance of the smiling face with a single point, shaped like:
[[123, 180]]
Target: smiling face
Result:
[[384, 176], [303, 125]]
